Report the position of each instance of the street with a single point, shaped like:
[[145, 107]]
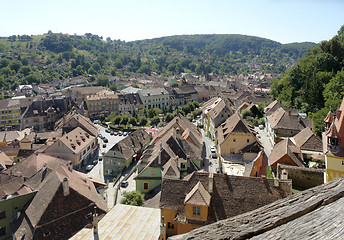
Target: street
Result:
[[264, 140]]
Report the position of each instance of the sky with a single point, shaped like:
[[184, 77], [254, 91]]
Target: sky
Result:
[[284, 21]]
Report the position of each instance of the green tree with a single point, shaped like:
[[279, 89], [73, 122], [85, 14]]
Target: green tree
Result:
[[15, 65], [25, 70], [117, 120], [143, 121], [151, 113], [113, 87], [103, 80], [133, 121], [134, 198], [4, 62], [168, 117], [124, 120], [155, 120]]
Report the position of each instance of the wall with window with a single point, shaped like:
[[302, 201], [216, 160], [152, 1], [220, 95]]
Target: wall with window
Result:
[[196, 212], [334, 167], [8, 211], [236, 142]]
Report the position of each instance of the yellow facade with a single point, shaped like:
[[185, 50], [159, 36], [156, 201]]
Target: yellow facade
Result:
[[175, 228], [10, 117], [203, 214], [334, 167], [235, 142]]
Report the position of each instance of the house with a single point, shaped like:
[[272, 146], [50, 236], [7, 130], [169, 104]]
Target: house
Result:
[[129, 102], [73, 120], [123, 153], [130, 89], [234, 135], [294, 217], [184, 94], [78, 94], [333, 142], [5, 161], [283, 123], [122, 222], [272, 107], [34, 163], [43, 112], [202, 93], [77, 146], [251, 107], [24, 89], [175, 151], [240, 151], [63, 205], [286, 152], [154, 98], [214, 112], [103, 102], [202, 198], [44, 88], [11, 111], [309, 143]]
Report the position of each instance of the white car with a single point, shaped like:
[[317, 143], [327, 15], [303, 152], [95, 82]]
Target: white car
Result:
[[213, 152], [89, 167]]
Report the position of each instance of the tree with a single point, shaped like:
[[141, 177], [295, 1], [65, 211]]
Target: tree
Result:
[[151, 113], [134, 198], [155, 120], [103, 80], [117, 120], [124, 120], [113, 87], [15, 65], [132, 121], [168, 117], [143, 121]]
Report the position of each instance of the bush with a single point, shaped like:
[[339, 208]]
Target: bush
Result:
[[134, 198]]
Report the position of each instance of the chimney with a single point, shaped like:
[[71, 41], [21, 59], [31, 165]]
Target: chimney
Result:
[[338, 113], [211, 182], [65, 186], [95, 221]]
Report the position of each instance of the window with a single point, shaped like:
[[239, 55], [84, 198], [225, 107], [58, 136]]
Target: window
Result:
[[342, 162], [196, 211], [248, 140], [145, 186], [3, 215], [3, 231], [234, 140]]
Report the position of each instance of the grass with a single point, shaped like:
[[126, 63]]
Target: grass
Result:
[[269, 173]]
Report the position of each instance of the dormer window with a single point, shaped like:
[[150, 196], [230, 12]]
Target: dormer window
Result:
[[196, 211]]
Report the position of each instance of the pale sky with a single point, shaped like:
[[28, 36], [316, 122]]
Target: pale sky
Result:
[[284, 21]]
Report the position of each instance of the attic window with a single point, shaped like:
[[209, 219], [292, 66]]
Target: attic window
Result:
[[46, 234], [87, 135], [72, 145], [78, 142], [83, 138]]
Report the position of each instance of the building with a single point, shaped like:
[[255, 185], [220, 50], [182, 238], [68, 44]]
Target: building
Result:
[[333, 142], [283, 123], [122, 154], [309, 143], [73, 120], [77, 146], [122, 222], [11, 111], [129, 102], [103, 103], [286, 152], [294, 217], [214, 112], [154, 98], [203, 198], [184, 94], [24, 90], [63, 205]]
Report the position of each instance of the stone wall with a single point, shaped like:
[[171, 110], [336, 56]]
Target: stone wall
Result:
[[303, 178]]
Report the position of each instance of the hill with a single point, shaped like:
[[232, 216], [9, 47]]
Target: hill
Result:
[[44, 58]]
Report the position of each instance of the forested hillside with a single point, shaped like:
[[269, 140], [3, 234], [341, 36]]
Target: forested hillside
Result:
[[316, 83], [41, 59]]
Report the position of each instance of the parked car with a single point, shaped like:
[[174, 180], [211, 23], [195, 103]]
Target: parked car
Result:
[[111, 133], [213, 152], [104, 145], [124, 184], [105, 140], [261, 127], [115, 133], [89, 167], [95, 162], [120, 133], [125, 133]]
